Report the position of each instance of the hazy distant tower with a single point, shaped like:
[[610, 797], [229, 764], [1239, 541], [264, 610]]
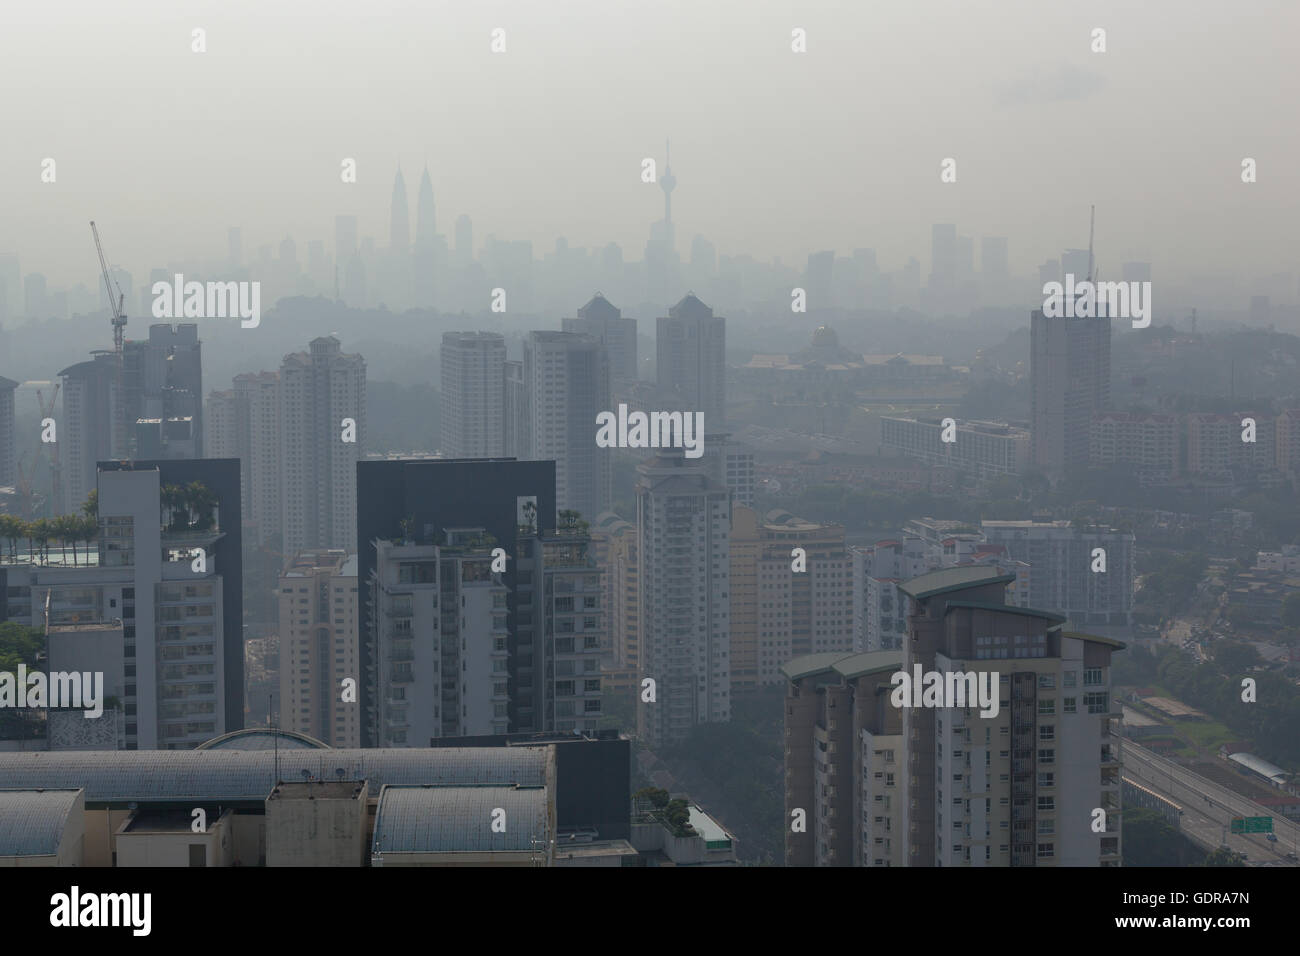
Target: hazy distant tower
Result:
[[399, 235], [425, 210], [668, 182]]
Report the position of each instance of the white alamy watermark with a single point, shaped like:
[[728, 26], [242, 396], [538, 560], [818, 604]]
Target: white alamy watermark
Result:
[[211, 300], [61, 689], [75, 909], [1090, 300], [947, 689], [651, 430]]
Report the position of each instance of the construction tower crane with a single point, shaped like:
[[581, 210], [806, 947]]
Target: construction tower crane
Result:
[[117, 306]]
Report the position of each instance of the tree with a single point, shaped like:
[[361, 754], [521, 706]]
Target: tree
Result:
[[1291, 609], [203, 502], [1223, 857], [19, 645], [1234, 657], [90, 507]]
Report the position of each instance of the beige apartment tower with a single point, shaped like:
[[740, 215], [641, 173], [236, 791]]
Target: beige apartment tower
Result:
[[318, 647]]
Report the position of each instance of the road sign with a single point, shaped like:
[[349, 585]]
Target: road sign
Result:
[[1252, 825]]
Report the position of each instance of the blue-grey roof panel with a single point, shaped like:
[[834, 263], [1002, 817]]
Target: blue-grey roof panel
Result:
[[32, 821], [209, 776], [460, 820]]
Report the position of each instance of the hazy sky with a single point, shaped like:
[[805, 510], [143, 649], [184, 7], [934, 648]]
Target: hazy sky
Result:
[[775, 153]]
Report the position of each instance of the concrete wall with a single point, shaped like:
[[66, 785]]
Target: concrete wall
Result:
[[172, 848], [317, 832]]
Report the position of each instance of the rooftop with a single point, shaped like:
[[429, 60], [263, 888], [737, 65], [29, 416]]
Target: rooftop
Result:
[[247, 776], [953, 579], [459, 820], [32, 821]]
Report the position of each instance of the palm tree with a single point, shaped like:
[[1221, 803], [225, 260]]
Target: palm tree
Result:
[[202, 501], [11, 529], [42, 532], [172, 498]]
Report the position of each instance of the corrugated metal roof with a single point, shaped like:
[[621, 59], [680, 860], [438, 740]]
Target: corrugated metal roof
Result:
[[32, 821], [263, 739], [152, 776], [953, 579], [459, 820]]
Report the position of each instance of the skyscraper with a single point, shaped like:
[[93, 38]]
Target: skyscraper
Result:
[[90, 398], [603, 322], [683, 528], [322, 406], [473, 395], [424, 252], [162, 378], [168, 581], [1007, 788], [778, 613], [523, 649], [319, 607], [566, 378], [943, 256], [690, 347], [1069, 382], [399, 222]]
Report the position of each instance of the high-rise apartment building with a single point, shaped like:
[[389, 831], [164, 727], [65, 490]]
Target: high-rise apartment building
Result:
[[89, 432], [319, 609], [683, 527], [322, 406], [779, 613], [690, 353], [1069, 381], [605, 323], [566, 380], [617, 550], [846, 761], [244, 422], [473, 395], [167, 578], [879, 608], [732, 465], [1061, 558], [1006, 786], [429, 533]]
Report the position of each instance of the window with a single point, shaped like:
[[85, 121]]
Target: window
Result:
[[1046, 804], [1098, 703], [1070, 679], [1047, 732], [1045, 850], [1092, 677], [1047, 682], [1047, 825], [1046, 780], [1047, 756], [1047, 706], [1068, 705]]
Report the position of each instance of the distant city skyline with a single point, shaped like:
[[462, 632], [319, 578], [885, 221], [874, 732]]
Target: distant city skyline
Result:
[[775, 153]]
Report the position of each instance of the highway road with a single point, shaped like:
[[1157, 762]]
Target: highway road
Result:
[[1208, 807]]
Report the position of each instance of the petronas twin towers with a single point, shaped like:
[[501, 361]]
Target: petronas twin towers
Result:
[[399, 235], [421, 258]]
